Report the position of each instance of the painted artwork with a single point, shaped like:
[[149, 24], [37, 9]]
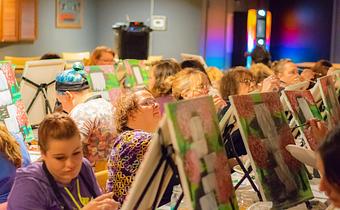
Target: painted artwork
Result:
[[303, 108], [330, 100], [137, 72], [12, 110], [265, 132], [200, 155], [103, 80], [69, 13]]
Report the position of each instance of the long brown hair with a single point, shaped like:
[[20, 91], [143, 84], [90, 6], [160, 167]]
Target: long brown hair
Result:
[[162, 70], [9, 146]]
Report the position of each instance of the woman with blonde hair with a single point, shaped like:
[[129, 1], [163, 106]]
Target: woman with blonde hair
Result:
[[215, 75], [10, 159], [287, 72], [260, 72], [102, 55], [190, 83]]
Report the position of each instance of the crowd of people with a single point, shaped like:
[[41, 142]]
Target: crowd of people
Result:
[[88, 134]]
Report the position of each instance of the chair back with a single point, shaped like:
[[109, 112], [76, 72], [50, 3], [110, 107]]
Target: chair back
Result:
[[72, 57], [19, 63], [101, 177]]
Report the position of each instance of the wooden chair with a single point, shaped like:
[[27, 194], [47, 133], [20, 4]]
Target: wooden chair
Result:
[[101, 177], [72, 57], [19, 63]]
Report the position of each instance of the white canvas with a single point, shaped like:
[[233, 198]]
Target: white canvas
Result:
[[208, 202], [138, 75], [12, 110], [305, 108], [5, 98], [12, 125], [42, 71], [209, 183], [98, 81], [3, 82]]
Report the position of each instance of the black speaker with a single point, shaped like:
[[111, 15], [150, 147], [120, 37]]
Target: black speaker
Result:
[[134, 41]]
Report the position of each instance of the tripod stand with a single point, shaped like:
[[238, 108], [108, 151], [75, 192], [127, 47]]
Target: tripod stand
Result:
[[41, 88]]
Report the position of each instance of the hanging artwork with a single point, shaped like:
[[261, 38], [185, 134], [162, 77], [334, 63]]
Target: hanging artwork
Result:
[[103, 80], [330, 100], [265, 132], [303, 108], [69, 13], [137, 73], [200, 155], [12, 110]]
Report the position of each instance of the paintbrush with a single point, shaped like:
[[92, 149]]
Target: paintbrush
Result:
[[305, 124], [302, 125]]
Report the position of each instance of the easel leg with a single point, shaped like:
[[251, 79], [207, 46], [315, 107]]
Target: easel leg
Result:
[[33, 100], [246, 172], [48, 108], [308, 205]]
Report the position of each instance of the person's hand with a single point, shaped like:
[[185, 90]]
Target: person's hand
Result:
[[307, 75], [270, 84], [103, 202], [318, 129], [330, 71], [219, 102]]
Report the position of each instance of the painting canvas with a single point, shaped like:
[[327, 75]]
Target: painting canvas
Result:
[[103, 80], [200, 155], [303, 108], [33, 96], [330, 100], [137, 72], [265, 132], [69, 13], [12, 109]]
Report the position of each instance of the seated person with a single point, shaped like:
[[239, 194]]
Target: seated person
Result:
[[287, 72], [190, 83], [11, 158], [102, 55], [239, 81], [260, 55], [158, 74], [321, 68], [48, 56], [215, 75], [137, 116], [194, 64], [260, 72], [92, 114], [64, 179], [328, 164]]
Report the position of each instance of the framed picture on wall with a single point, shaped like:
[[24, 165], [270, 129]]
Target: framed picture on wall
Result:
[[69, 13]]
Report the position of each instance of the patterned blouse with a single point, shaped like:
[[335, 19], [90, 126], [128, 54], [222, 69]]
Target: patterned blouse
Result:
[[126, 156], [94, 119]]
